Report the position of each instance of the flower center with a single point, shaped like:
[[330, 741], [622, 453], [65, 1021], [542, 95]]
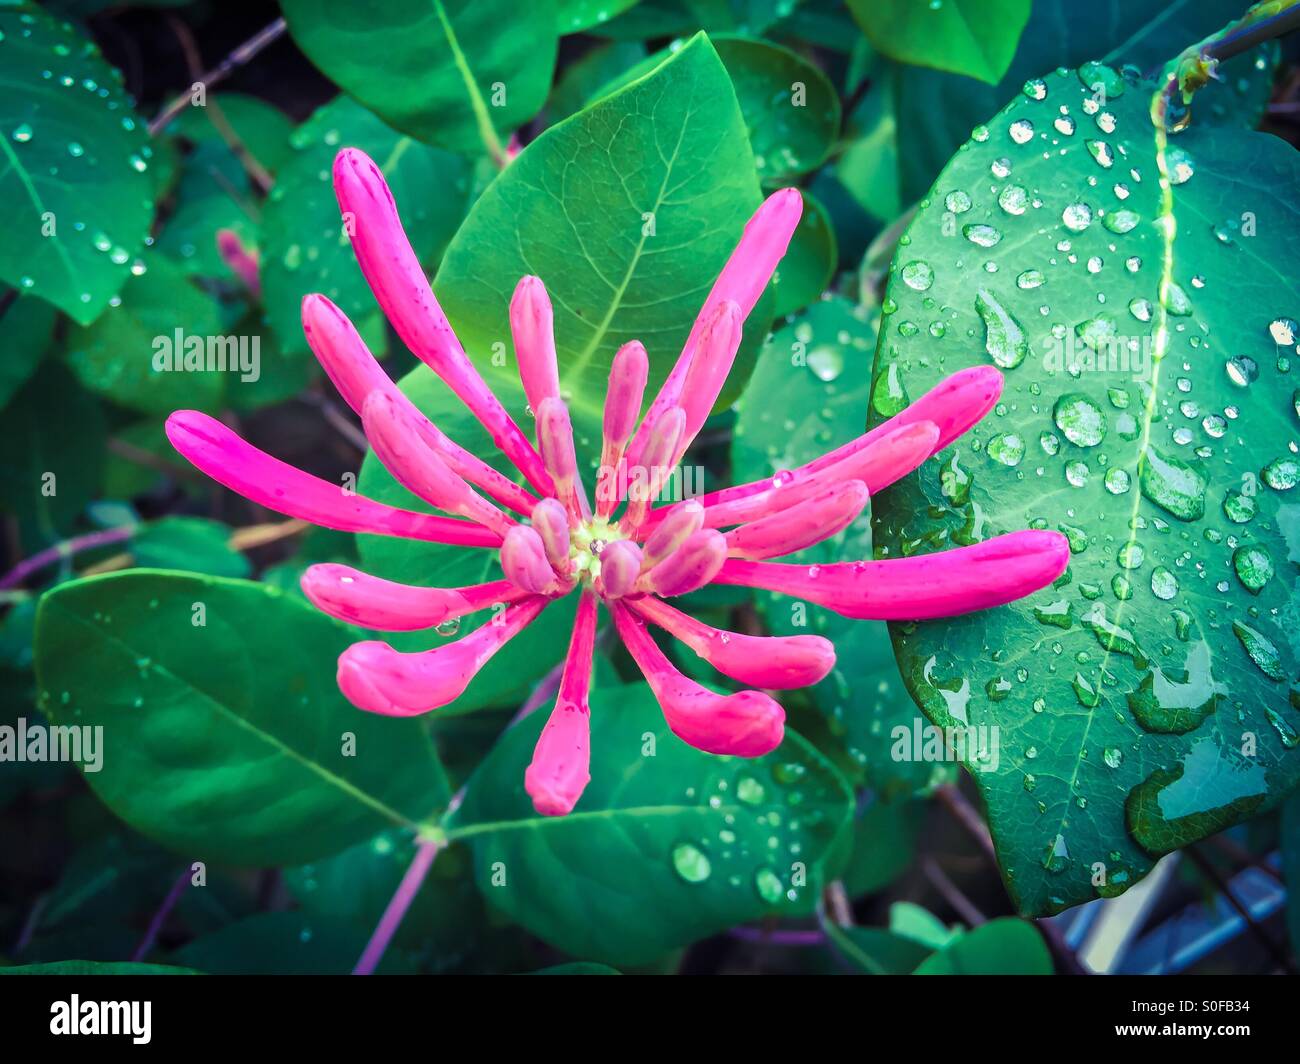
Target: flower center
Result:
[[587, 541]]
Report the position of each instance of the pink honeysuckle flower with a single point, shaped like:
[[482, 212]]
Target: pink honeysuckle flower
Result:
[[553, 544]]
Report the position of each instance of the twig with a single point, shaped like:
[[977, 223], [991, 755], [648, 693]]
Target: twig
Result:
[[950, 892], [30, 924], [425, 852], [241, 55], [764, 936], [260, 535], [66, 549], [1243, 856], [964, 813], [1210, 873], [160, 917]]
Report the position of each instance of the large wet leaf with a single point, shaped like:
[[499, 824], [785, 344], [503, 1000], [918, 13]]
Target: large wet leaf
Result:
[[449, 72], [627, 211], [666, 845], [76, 199], [1145, 701], [224, 736], [936, 110], [808, 395]]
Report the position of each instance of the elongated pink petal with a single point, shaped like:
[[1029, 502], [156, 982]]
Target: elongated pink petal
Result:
[[742, 280], [401, 289], [715, 352], [744, 724], [532, 325], [355, 374], [877, 467], [954, 405], [392, 430], [215, 450], [555, 436], [375, 677], [992, 573], [627, 379], [560, 769], [695, 563], [680, 522], [657, 463], [779, 662], [242, 261], [552, 524], [801, 525], [620, 563], [523, 559], [387, 606]]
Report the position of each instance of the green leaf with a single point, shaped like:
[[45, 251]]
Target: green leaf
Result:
[[790, 108], [936, 111], [574, 16], [96, 968], [1143, 702], [305, 246], [884, 843], [874, 951], [1001, 947], [119, 355], [29, 328], [76, 198], [576, 208], [809, 263], [583, 78], [226, 740], [578, 968], [283, 943], [808, 396], [52, 458], [669, 844], [973, 37], [456, 73], [195, 544]]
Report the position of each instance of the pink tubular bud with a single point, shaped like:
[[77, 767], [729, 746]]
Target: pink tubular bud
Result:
[[243, 262], [555, 437], [620, 562], [658, 461], [532, 325], [523, 559], [744, 724], [718, 344], [393, 431], [386, 606], [690, 567], [552, 524], [681, 521], [801, 525], [627, 380]]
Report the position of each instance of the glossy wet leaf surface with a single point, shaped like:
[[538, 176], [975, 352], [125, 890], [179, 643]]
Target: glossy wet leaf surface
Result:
[[1144, 702], [667, 844], [76, 197], [220, 740]]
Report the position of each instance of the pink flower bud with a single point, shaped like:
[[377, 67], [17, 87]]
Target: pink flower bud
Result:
[[523, 558], [691, 566], [620, 562]]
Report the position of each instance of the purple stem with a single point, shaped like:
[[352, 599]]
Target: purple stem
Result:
[[401, 900], [20, 572], [160, 917], [778, 938]]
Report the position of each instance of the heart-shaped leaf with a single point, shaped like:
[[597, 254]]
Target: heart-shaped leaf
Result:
[[972, 37], [223, 734], [1147, 332]]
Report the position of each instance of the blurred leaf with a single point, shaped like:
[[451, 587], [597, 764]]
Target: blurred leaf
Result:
[[442, 71], [973, 37], [75, 192], [52, 456], [627, 211], [194, 544], [580, 80], [305, 247], [874, 951], [1168, 639], [578, 968], [921, 926], [884, 845], [96, 968], [130, 353], [218, 742], [574, 16], [28, 330], [669, 844], [1001, 947], [284, 943]]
